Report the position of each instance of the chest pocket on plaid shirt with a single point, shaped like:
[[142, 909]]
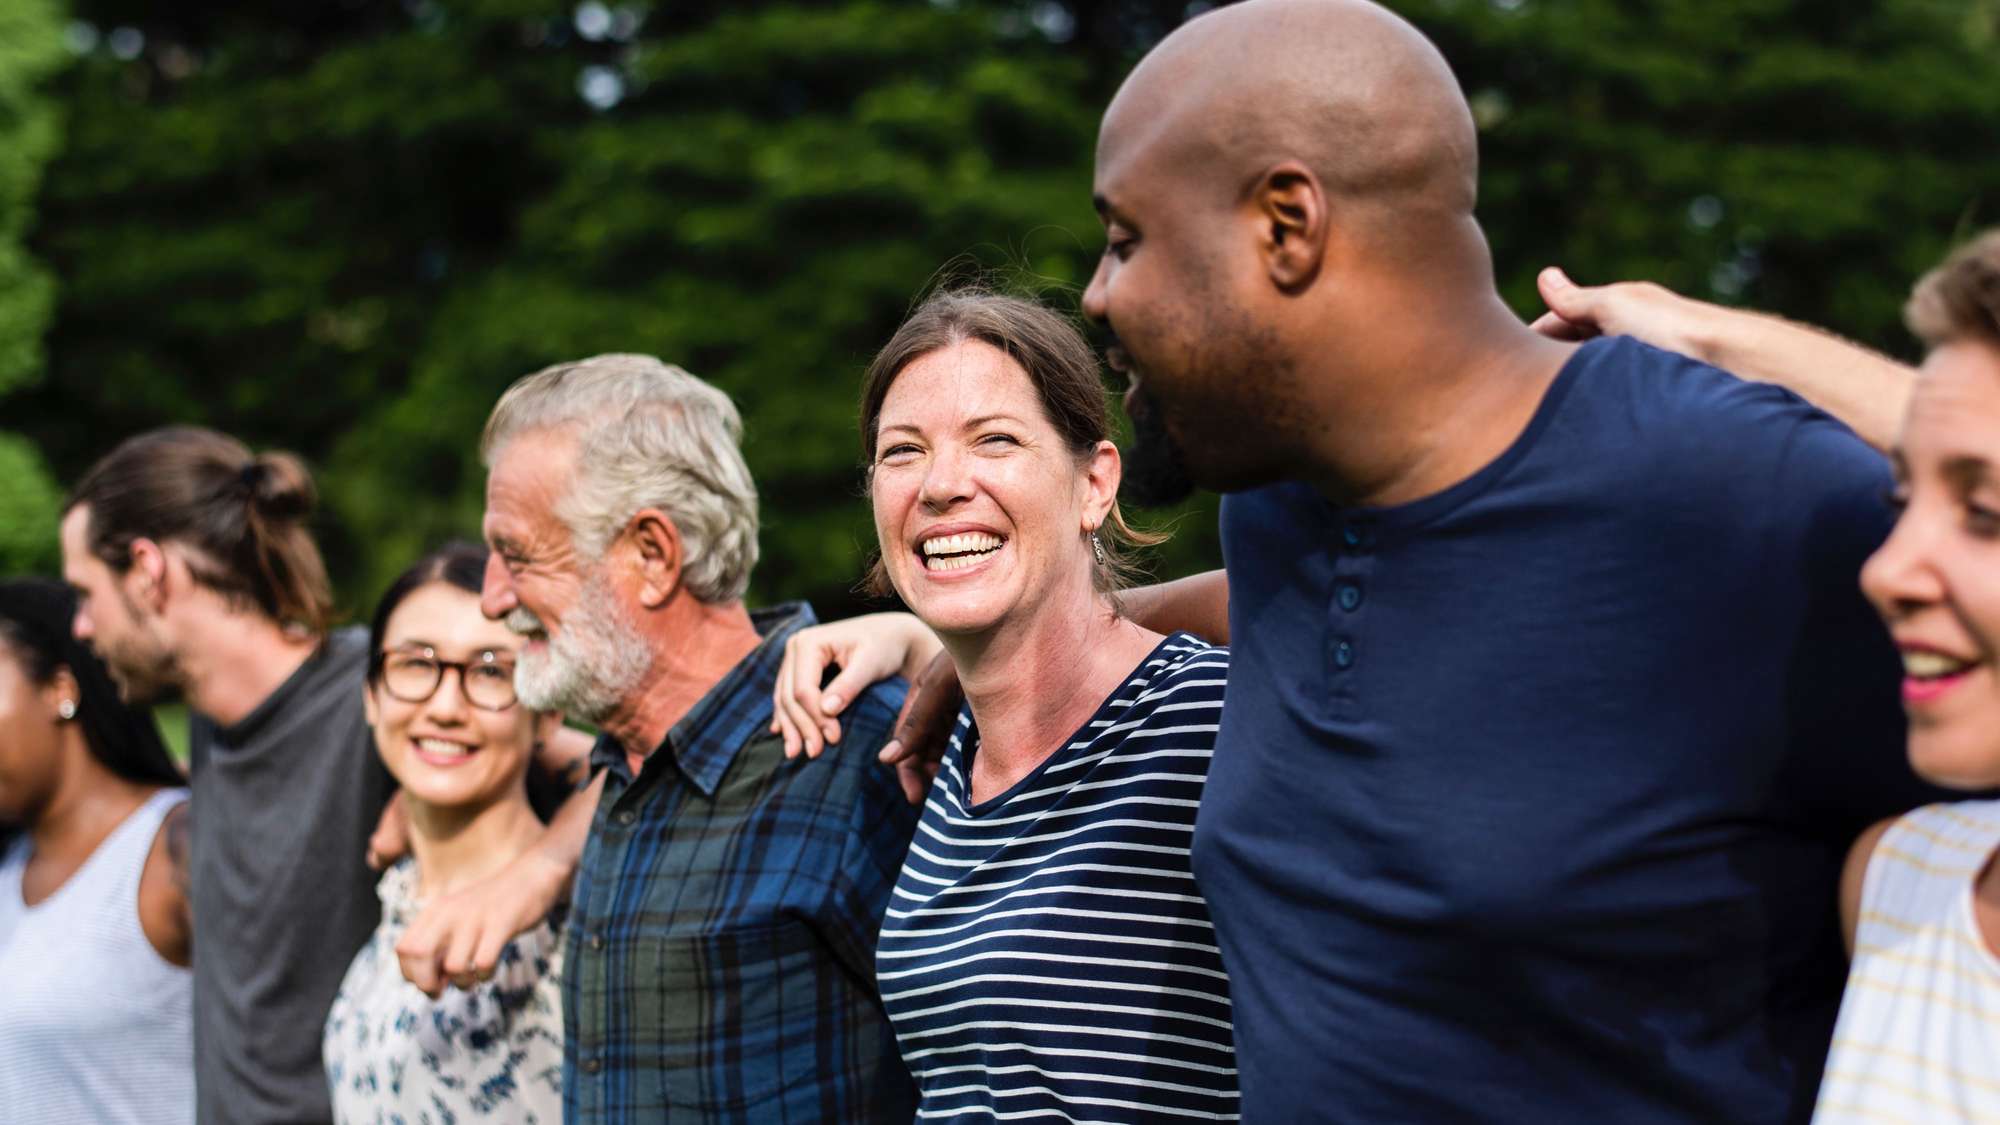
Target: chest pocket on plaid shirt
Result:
[[741, 1010]]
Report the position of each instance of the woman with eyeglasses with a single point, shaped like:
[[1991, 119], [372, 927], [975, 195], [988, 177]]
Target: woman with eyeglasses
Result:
[[440, 697]]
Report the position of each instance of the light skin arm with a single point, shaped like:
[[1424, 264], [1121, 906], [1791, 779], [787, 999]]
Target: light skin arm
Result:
[[1851, 877], [1863, 388], [873, 648], [457, 939]]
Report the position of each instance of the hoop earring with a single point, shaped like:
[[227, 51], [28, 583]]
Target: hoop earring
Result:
[[67, 709]]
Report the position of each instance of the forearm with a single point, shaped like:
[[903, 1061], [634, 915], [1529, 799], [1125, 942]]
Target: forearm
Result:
[[1198, 604], [561, 845], [1863, 388], [565, 755]]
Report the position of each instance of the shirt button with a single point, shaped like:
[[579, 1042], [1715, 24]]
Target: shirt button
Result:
[[625, 817], [1349, 595], [592, 1065], [1343, 654], [596, 940]]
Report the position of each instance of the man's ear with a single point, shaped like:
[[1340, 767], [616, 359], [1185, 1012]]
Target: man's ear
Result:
[[1293, 222], [657, 543], [146, 579]]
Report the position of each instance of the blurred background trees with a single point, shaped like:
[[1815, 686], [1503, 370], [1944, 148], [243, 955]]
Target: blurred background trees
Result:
[[343, 226], [31, 49]]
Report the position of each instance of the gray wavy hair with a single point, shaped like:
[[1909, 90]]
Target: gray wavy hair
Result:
[[648, 435]]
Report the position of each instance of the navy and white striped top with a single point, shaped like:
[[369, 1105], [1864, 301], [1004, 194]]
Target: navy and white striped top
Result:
[[1046, 956]]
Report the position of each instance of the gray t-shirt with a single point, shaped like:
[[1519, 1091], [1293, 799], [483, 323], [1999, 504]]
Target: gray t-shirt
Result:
[[284, 802]]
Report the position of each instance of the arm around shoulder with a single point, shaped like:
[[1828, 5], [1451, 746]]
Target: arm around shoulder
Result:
[[1864, 389], [458, 939], [1198, 604]]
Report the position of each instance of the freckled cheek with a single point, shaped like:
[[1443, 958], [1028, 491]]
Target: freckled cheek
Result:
[[893, 496]]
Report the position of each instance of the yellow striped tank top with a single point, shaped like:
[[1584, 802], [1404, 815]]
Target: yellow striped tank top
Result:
[[1918, 1038]]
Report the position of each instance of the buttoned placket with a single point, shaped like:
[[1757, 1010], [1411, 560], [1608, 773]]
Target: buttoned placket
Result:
[[1353, 543], [614, 832]]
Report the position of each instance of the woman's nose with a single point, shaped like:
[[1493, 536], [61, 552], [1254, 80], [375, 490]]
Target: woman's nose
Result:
[[1902, 574], [947, 480]]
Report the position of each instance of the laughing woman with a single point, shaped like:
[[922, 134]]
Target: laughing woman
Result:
[[440, 695], [1046, 952]]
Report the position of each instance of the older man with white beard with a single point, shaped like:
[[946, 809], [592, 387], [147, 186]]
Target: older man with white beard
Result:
[[720, 958]]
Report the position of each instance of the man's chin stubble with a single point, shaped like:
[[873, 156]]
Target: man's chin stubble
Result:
[[1156, 471]]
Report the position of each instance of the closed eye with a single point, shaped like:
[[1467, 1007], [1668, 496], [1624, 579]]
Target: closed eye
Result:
[[904, 449]]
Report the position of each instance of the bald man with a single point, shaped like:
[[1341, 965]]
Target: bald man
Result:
[[1554, 704]]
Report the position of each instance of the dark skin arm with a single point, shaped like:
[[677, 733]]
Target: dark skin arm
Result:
[[165, 891]]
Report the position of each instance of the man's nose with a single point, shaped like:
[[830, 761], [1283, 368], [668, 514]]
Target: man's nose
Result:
[[496, 589], [1093, 294]]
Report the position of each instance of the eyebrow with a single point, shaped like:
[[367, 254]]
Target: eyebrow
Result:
[[418, 642], [1965, 471], [971, 424]]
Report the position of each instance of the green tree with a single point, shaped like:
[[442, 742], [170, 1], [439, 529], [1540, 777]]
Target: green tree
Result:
[[345, 229], [342, 226], [30, 50], [1805, 156]]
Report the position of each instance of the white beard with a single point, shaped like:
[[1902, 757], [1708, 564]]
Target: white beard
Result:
[[590, 667]]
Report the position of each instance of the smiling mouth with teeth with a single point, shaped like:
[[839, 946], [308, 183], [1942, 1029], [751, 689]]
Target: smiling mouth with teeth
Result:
[[1922, 665], [438, 747], [955, 552]]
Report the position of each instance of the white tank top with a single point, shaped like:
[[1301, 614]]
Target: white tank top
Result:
[[95, 1026], [1919, 1033]]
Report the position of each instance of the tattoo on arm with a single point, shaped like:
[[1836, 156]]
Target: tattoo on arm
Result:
[[180, 848]]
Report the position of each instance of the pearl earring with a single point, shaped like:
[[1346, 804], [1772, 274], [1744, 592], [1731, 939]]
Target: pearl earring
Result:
[[67, 709]]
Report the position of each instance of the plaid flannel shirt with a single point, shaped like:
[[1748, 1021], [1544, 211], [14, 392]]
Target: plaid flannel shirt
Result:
[[720, 963]]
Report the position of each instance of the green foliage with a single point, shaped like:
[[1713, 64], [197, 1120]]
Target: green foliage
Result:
[[343, 226], [30, 50], [350, 248], [28, 505], [1805, 156]]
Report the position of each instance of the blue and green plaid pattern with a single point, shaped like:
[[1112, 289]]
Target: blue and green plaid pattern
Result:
[[721, 948]]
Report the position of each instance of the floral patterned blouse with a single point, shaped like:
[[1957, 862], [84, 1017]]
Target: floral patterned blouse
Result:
[[494, 1053]]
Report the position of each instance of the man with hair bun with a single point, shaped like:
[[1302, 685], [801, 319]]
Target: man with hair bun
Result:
[[720, 958], [196, 577]]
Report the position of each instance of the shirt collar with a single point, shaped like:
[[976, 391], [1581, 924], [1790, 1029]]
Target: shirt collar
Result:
[[738, 707]]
